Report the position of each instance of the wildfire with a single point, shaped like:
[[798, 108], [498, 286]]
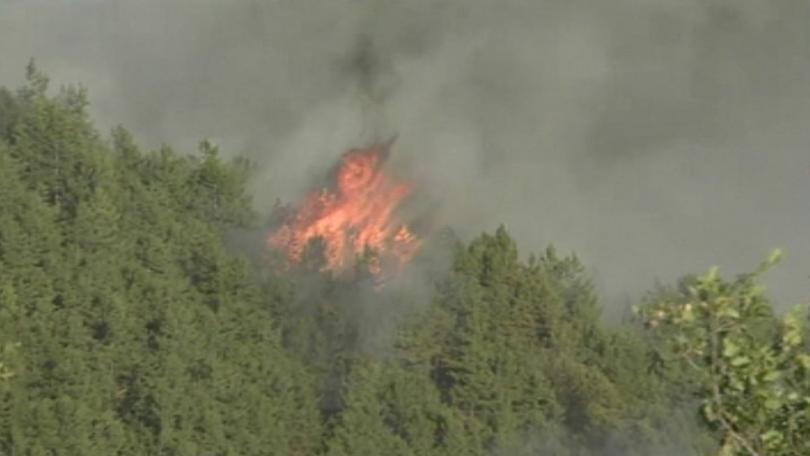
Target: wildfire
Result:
[[356, 215]]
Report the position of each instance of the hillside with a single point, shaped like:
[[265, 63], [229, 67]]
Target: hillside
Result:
[[131, 327]]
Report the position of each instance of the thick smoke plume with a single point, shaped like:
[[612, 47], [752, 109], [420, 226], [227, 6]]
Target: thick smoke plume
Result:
[[653, 138]]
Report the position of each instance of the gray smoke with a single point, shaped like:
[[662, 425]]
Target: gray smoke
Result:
[[652, 137]]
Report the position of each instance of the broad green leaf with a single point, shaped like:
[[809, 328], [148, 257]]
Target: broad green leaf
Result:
[[730, 349], [740, 361]]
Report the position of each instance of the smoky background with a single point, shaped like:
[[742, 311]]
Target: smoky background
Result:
[[653, 138]]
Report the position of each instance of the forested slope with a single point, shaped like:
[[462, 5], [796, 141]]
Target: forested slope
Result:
[[127, 326], [138, 332]]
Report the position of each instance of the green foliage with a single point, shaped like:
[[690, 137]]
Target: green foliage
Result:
[[397, 411], [517, 350], [750, 369], [7, 352], [138, 332], [127, 326]]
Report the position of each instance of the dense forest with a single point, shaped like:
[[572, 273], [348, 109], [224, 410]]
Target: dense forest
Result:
[[130, 326]]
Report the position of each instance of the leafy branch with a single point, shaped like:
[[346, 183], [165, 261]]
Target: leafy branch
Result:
[[751, 369]]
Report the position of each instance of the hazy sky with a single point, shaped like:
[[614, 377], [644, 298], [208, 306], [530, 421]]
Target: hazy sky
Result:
[[652, 137]]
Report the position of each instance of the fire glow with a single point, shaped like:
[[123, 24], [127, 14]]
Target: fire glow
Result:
[[356, 215]]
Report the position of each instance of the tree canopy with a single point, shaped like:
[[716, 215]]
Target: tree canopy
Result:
[[129, 325]]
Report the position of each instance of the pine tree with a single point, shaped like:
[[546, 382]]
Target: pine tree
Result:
[[397, 411], [139, 332]]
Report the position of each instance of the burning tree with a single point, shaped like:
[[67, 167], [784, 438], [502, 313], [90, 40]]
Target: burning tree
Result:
[[355, 218]]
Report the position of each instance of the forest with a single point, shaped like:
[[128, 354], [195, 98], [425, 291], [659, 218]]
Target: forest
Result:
[[130, 325]]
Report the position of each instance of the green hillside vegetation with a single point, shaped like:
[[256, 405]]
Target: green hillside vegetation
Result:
[[128, 326]]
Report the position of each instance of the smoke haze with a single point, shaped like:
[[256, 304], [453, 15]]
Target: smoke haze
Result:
[[653, 138]]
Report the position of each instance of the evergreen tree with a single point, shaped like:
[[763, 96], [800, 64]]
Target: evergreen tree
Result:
[[516, 348], [397, 411], [139, 333], [128, 326]]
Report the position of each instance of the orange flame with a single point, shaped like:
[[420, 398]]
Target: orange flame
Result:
[[357, 215]]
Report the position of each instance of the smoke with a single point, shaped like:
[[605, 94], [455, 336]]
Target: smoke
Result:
[[653, 137]]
